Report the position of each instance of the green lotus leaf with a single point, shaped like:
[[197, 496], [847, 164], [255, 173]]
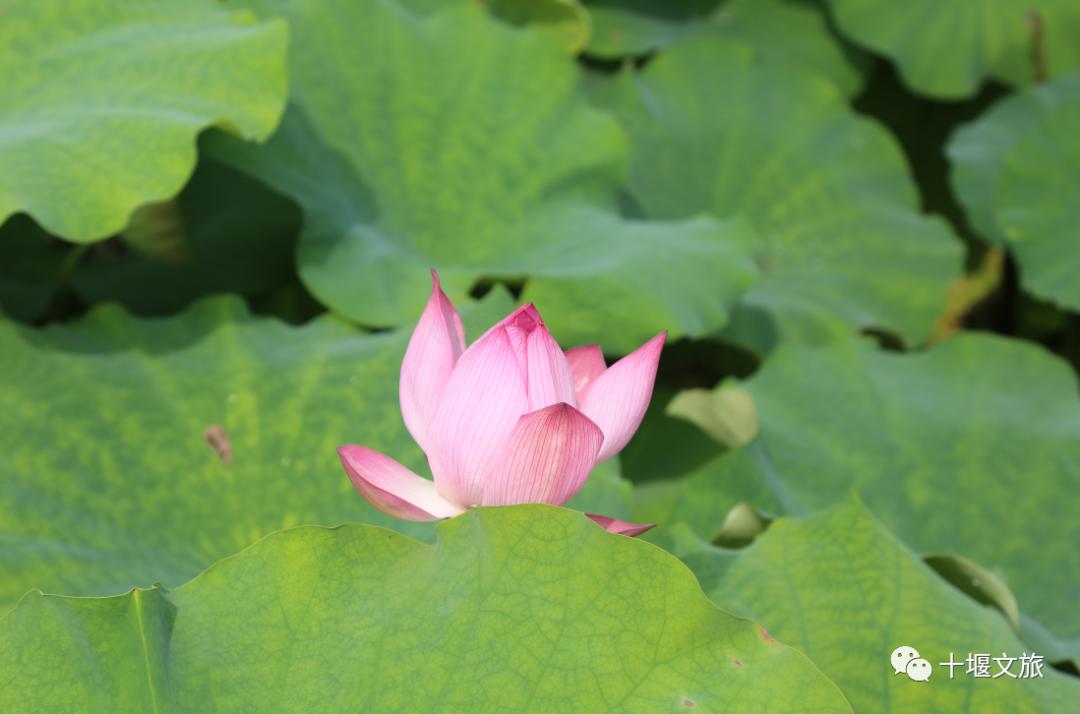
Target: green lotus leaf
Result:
[[718, 127], [224, 233], [1041, 228], [845, 591], [32, 266], [977, 150], [789, 29], [622, 28], [567, 19], [793, 30], [469, 147], [1010, 168], [726, 413], [144, 450], [665, 448], [947, 49], [977, 583], [515, 608], [971, 448], [103, 99]]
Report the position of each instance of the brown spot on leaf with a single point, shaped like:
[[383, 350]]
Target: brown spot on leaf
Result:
[[688, 703], [766, 636], [219, 442], [738, 662]]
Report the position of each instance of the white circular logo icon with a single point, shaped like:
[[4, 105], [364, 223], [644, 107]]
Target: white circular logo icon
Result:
[[901, 656], [919, 669]]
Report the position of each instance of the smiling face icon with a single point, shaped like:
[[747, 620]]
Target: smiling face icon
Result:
[[919, 669], [900, 658]]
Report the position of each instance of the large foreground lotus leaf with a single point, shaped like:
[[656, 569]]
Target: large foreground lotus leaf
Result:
[[468, 146], [516, 608], [971, 448], [143, 450], [720, 128], [947, 49], [102, 101], [781, 28], [843, 590]]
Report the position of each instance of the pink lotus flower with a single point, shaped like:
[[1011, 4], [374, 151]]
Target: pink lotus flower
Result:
[[511, 419]]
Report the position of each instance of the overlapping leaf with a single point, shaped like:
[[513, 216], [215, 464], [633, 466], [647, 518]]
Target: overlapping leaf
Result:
[[788, 29], [103, 99], [978, 149], [32, 265], [566, 19], [717, 127], [1011, 169], [224, 233], [971, 448], [623, 28], [947, 50], [515, 608], [1042, 228], [792, 30], [466, 145], [138, 451], [843, 590]]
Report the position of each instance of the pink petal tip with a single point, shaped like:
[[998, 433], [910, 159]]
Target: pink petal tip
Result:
[[614, 525], [617, 399], [437, 343], [392, 488]]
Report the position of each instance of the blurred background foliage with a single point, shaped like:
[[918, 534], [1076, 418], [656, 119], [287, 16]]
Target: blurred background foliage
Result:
[[857, 218]]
